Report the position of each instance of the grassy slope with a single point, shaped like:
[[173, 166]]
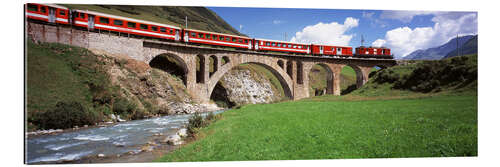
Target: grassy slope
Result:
[[53, 76], [372, 122], [198, 17]]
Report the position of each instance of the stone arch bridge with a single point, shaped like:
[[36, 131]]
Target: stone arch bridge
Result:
[[291, 70]]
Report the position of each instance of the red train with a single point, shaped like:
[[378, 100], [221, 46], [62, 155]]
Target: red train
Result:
[[55, 14]]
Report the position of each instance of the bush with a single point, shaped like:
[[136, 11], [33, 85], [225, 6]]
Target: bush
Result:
[[195, 122], [66, 115], [123, 106]]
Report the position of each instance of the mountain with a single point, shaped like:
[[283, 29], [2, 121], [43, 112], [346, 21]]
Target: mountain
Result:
[[438, 52], [470, 47], [199, 18]]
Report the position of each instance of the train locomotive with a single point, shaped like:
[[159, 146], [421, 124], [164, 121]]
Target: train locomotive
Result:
[[95, 21]]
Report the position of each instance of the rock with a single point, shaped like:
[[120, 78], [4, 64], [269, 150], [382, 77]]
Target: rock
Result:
[[182, 132], [100, 155], [173, 140], [86, 126], [119, 119], [151, 143], [147, 148], [113, 117]]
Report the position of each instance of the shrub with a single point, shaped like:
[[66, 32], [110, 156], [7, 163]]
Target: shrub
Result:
[[123, 106], [66, 115], [195, 122]]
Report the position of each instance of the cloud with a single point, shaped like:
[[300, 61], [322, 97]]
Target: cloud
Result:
[[379, 43], [404, 40], [276, 22], [404, 16], [367, 15], [241, 26], [327, 33]]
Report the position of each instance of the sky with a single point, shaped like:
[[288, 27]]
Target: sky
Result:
[[402, 31]]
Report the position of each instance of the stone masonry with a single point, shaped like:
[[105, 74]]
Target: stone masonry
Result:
[[291, 70]]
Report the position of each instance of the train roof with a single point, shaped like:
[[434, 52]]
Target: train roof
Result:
[[51, 5], [126, 18], [281, 41], [334, 45], [217, 33], [373, 47]]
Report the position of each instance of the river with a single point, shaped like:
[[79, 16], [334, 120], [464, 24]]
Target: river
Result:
[[121, 138]]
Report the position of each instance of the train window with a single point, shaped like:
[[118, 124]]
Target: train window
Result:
[[246, 40], [154, 28], [339, 50], [221, 38], [43, 9], [82, 15], [171, 31], [294, 46], [240, 40], [279, 45], [32, 7], [300, 46], [289, 45], [118, 22], [62, 12], [193, 34], [209, 36], [273, 44], [131, 25], [267, 44], [227, 39], [143, 26], [200, 35], [163, 29], [214, 37], [103, 20]]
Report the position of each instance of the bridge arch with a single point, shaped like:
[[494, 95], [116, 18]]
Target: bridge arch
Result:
[[361, 78], [330, 75], [164, 61], [285, 81]]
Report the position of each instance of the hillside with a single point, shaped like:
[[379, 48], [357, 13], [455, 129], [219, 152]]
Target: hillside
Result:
[[199, 18], [452, 75], [470, 47], [439, 52]]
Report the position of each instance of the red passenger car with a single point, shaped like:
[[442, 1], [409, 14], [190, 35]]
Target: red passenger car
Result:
[[281, 46], [329, 50], [219, 39], [48, 13], [373, 51], [101, 21]]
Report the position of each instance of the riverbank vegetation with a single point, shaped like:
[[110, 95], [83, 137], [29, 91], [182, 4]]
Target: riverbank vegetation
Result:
[[69, 86], [379, 120]]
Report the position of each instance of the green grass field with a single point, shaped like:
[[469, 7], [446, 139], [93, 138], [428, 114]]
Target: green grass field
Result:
[[440, 126]]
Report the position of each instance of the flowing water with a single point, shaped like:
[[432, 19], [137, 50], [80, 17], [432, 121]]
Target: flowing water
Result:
[[109, 140]]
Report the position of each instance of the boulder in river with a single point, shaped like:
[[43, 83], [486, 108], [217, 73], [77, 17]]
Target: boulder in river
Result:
[[173, 140], [182, 132]]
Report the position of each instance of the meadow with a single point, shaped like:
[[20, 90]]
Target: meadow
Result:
[[439, 126]]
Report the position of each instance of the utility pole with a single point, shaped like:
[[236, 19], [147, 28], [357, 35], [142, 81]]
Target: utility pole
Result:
[[186, 22], [285, 36], [362, 39], [457, 46]]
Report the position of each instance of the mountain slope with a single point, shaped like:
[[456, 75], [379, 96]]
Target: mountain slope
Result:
[[470, 47], [199, 18], [439, 52]]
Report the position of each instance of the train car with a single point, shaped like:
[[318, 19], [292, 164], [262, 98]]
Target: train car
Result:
[[374, 52], [281, 46], [328, 50], [101, 21], [48, 13], [218, 39]]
